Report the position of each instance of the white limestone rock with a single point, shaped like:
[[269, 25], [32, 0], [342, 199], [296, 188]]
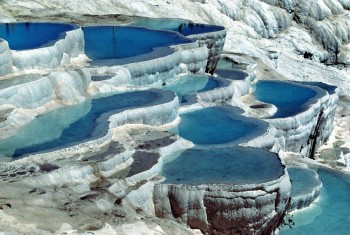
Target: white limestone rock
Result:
[[52, 56], [5, 58]]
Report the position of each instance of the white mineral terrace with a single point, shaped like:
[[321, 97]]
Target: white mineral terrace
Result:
[[113, 179]]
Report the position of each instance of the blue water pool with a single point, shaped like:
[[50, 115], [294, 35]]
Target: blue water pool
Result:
[[303, 180], [114, 44], [192, 84], [289, 98], [184, 27], [24, 36], [330, 214], [233, 74], [219, 125], [73, 124], [329, 88], [233, 165]]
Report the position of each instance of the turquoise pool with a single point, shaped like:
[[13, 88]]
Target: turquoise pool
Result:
[[232, 74], [115, 44], [25, 36], [219, 125], [330, 214], [232, 165], [70, 125], [184, 27], [192, 84], [289, 98]]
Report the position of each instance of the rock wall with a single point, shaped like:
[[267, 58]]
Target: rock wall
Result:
[[27, 100], [186, 58], [225, 209], [53, 56], [306, 131], [308, 193], [214, 41], [5, 58], [235, 89], [66, 87]]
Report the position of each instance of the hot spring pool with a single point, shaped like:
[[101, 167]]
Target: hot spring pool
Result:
[[25, 36], [114, 44], [330, 214], [303, 180], [233, 165], [70, 125], [184, 27], [233, 74], [192, 84], [289, 98], [329, 88], [219, 125]]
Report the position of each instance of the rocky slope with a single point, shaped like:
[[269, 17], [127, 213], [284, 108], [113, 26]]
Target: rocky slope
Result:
[[296, 40]]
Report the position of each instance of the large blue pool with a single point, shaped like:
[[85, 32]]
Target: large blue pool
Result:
[[192, 84], [115, 43], [184, 27], [219, 125], [330, 214], [73, 124], [233, 165], [289, 98], [24, 36]]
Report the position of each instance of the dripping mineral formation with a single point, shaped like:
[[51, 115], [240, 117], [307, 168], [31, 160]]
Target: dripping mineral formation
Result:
[[174, 126]]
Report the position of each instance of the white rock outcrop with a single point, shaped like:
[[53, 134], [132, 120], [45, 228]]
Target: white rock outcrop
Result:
[[5, 62], [52, 56]]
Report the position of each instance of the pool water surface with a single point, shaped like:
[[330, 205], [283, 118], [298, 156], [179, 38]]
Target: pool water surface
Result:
[[289, 98], [232, 165], [330, 214], [25, 36], [70, 125], [183, 27], [121, 42], [219, 125], [192, 84]]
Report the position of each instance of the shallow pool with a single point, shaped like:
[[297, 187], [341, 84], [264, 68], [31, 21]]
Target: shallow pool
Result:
[[184, 27], [303, 180], [116, 43], [329, 88], [233, 165], [289, 98], [233, 74], [70, 125], [330, 214], [219, 125], [192, 84], [24, 36]]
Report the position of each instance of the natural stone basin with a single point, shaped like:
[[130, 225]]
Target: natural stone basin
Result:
[[330, 214], [192, 84], [24, 36], [329, 88], [289, 98], [219, 125], [111, 45], [232, 165], [305, 187], [184, 27], [233, 74], [88, 120]]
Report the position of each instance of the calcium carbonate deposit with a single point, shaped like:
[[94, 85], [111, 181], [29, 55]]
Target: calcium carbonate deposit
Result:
[[174, 117]]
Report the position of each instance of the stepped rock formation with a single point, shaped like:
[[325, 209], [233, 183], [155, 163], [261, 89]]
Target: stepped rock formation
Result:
[[103, 185]]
